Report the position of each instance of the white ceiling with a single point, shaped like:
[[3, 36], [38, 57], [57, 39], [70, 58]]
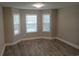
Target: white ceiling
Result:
[[28, 5]]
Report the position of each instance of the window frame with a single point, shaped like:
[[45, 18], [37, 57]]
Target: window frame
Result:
[[19, 30], [26, 23], [49, 22]]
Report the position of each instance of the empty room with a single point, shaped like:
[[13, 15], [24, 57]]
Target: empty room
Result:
[[39, 28]]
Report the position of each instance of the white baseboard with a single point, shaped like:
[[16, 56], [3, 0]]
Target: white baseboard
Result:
[[3, 50], [69, 43], [50, 38], [33, 38]]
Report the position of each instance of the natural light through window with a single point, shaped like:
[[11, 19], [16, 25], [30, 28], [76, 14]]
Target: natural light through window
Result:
[[16, 19], [46, 22], [31, 23]]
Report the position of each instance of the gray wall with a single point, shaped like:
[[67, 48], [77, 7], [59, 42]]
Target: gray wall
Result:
[[39, 32], [1, 31], [8, 12], [8, 24], [68, 24]]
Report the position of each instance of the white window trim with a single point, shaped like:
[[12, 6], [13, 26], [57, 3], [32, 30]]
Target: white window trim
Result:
[[26, 24], [14, 24], [49, 23]]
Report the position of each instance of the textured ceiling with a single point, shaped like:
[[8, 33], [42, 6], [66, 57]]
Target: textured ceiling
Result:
[[28, 5]]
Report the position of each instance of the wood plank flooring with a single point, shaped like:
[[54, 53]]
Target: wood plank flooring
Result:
[[41, 47]]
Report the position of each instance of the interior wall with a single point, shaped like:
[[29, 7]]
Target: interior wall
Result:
[[68, 24], [54, 22], [8, 24], [39, 32], [39, 23], [10, 37], [1, 31]]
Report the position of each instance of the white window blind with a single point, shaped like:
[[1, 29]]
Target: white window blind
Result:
[[46, 22], [31, 23], [16, 19]]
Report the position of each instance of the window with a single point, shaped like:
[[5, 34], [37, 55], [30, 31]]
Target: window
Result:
[[16, 19], [46, 22], [31, 23]]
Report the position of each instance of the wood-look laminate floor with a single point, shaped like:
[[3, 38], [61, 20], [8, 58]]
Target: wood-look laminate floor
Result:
[[40, 47]]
